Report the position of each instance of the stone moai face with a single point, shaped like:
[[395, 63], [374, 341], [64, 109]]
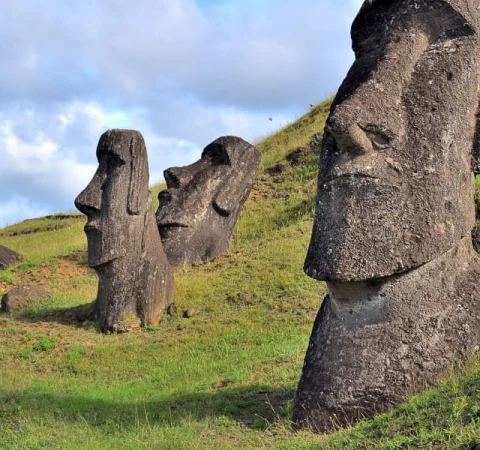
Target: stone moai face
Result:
[[117, 195], [124, 246], [198, 211], [394, 211], [395, 181]]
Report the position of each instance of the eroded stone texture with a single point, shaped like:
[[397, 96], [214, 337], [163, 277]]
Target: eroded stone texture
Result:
[[394, 212], [8, 257], [374, 341], [22, 296], [198, 211], [124, 248]]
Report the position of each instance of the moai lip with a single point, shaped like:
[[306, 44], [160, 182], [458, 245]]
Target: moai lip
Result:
[[198, 210], [394, 211], [135, 278]]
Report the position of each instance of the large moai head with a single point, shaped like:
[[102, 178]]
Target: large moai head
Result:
[[395, 181], [117, 197], [123, 243], [394, 211], [198, 211]]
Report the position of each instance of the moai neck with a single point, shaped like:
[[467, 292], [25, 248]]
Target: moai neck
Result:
[[134, 290], [374, 342], [115, 289]]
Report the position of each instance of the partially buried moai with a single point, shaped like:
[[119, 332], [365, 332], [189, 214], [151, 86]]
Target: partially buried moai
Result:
[[135, 279], [394, 212], [197, 213]]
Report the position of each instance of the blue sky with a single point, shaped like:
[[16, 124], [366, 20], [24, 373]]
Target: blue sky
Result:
[[183, 72]]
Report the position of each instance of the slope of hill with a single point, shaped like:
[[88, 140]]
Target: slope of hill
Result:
[[223, 379]]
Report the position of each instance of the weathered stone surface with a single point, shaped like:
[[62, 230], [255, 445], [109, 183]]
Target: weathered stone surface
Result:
[[8, 257], [22, 296], [396, 159], [394, 212], [374, 341], [172, 309], [198, 211], [124, 248]]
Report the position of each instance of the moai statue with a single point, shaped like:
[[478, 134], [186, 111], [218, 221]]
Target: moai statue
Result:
[[198, 211], [394, 211], [135, 280]]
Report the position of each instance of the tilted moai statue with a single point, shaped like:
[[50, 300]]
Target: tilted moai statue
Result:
[[394, 212], [124, 247], [198, 211]]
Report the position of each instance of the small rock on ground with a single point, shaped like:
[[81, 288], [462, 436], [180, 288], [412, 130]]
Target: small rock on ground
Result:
[[8, 257], [189, 312], [21, 296]]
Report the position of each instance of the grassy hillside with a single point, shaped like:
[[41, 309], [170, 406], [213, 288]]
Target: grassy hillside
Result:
[[224, 379]]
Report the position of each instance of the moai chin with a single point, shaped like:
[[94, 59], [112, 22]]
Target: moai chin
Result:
[[198, 211], [394, 211], [135, 279]]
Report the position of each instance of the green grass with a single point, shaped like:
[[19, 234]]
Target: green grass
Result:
[[275, 147], [155, 190], [224, 379], [44, 244]]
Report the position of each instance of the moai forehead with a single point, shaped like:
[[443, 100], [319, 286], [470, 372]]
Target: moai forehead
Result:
[[469, 9], [435, 17], [124, 144], [126, 147]]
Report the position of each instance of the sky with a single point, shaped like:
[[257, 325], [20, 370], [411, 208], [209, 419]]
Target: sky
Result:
[[182, 72]]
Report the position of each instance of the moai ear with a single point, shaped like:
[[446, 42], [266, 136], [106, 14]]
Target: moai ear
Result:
[[233, 191], [138, 167]]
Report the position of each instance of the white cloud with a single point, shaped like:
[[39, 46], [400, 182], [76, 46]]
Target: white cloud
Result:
[[33, 157], [180, 73], [17, 209]]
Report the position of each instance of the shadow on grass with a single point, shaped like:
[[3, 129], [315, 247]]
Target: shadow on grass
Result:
[[255, 406], [75, 315]]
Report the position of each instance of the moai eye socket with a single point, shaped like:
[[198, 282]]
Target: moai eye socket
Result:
[[112, 161], [217, 154], [380, 137]]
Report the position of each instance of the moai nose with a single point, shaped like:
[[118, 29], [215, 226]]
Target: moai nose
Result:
[[171, 178], [89, 201], [177, 177], [349, 136]]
